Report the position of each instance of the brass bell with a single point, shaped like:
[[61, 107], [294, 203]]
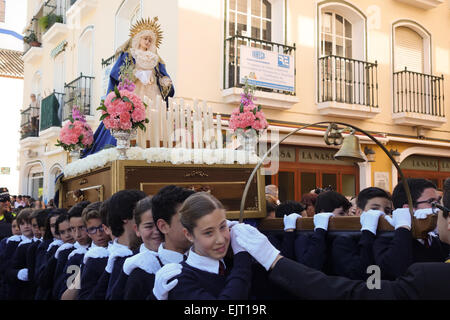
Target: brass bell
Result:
[[350, 150]]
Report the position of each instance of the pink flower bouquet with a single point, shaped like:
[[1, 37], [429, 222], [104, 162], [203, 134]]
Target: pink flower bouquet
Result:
[[76, 133], [123, 110], [248, 116]]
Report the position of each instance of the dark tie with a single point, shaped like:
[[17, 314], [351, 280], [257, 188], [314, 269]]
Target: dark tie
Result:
[[221, 268], [184, 257]]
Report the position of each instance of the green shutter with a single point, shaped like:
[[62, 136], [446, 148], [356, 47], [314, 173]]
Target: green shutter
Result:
[[49, 113]]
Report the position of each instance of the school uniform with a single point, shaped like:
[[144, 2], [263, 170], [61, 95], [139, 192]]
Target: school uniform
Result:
[[47, 273], [5, 262], [351, 256], [164, 257], [19, 286], [395, 255], [135, 261], [118, 253], [94, 263], [31, 263], [422, 281], [75, 258], [201, 279], [310, 249]]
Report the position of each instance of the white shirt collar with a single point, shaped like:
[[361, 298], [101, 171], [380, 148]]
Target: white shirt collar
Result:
[[203, 263], [37, 239], [143, 248], [78, 246], [169, 256]]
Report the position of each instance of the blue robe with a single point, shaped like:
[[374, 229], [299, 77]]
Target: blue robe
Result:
[[102, 136]]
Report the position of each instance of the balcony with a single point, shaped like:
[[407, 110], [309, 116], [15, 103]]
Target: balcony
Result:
[[29, 123], [109, 61], [79, 93], [33, 39], [271, 95], [53, 21], [418, 99], [51, 114], [80, 8], [347, 87]]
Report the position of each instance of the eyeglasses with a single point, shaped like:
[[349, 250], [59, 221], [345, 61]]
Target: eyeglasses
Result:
[[93, 230], [445, 210], [429, 201]]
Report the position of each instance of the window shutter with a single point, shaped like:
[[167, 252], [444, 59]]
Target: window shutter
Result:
[[408, 50]]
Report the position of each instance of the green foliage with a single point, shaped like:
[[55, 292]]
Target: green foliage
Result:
[[43, 22], [30, 38]]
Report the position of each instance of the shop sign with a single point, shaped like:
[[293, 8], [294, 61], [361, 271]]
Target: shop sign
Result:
[[287, 154], [320, 156], [420, 163], [444, 165]]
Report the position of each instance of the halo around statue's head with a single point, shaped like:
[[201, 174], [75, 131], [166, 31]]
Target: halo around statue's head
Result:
[[147, 27]]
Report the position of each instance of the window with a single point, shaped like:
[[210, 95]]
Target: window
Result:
[[36, 185], [59, 73], [336, 35], [128, 13], [250, 18], [408, 50], [86, 52]]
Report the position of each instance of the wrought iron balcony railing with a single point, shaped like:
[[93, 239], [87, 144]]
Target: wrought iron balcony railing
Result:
[[55, 11], [109, 61], [29, 122], [79, 93], [418, 93], [232, 62], [348, 81]]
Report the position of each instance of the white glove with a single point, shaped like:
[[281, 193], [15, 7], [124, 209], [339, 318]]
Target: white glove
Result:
[[369, 220], [230, 224], [234, 245], [23, 274], [423, 213], [110, 265], [400, 217], [290, 221], [257, 244], [321, 220], [161, 288]]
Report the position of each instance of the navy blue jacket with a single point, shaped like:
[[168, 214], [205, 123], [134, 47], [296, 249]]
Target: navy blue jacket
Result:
[[139, 285], [91, 275], [46, 271], [58, 280], [18, 289], [100, 289], [75, 260], [5, 263], [351, 257], [310, 249], [113, 280], [195, 284]]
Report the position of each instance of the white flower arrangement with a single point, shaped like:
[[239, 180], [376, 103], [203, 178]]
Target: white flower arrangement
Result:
[[172, 155]]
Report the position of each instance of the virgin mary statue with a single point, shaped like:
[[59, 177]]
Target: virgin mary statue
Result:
[[139, 58]]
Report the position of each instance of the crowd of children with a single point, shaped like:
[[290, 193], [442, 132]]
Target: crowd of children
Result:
[[179, 245]]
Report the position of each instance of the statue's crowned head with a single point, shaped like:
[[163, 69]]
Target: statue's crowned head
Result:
[[146, 34]]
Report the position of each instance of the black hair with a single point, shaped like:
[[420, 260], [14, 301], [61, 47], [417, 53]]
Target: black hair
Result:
[[142, 206], [77, 210], [41, 217], [61, 218], [416, 187], [166, 201], [446, 195], [270, 207], [330, 200], [104, 212], [120, 207], [369, 193], [288, 207], [52, 213]]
